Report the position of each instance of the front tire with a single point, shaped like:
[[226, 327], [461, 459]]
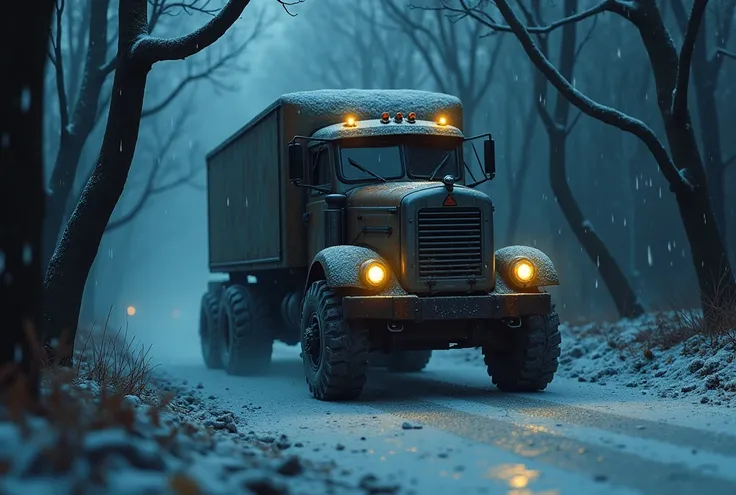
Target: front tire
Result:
[[245, 329], [209, 331], [525, 359], [334, 352], [401, 361]]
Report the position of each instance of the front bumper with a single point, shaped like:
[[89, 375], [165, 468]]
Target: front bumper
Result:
[[415, 308]]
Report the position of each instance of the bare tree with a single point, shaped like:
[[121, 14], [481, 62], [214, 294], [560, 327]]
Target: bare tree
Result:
[[706, 72], [137, 52], [440, 40], [78, 118], [357, 51], [23, 24], [683, 168]]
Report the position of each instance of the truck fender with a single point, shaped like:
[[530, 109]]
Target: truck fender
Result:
[[340, 265], [545, 274]]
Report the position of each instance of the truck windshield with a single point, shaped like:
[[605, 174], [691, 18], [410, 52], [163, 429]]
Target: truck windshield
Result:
[[384, 162], [425, 162]]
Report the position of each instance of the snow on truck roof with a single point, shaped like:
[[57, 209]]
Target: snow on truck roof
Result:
[[374, 127], [366, 104]]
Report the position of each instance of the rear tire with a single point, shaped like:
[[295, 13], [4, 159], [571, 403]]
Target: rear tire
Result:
[[209, 331], [401, 361], [525, 359], [334, 352], [245, 330]]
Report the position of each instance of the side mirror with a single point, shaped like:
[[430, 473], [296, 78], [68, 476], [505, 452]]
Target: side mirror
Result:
[[489, 157], [296, 162]]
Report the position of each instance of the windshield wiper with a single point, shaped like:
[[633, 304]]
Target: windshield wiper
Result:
[[438, 167], [363, 169]]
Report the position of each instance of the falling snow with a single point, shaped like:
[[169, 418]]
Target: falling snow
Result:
[[650, 260], [25, 99], [27, 254]]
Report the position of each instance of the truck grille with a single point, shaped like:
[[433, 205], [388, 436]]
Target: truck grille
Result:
[[449, 242]]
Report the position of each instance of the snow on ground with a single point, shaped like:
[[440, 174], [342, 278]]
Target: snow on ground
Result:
[[173, 440], [643, 354]]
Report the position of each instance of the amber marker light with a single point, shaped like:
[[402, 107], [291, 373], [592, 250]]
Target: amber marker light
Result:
[[523, 271], [350, 122], [442, 121], [374, 273], [385, 117]]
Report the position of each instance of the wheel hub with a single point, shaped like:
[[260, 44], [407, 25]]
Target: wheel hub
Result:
[[313, 342]]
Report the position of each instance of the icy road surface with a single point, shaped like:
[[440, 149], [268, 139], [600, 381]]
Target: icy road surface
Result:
[[447, 430]]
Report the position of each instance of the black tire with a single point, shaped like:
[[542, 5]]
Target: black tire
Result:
[[401, 361], [335, 353], [209, 331], [525, 359], [245, 329]]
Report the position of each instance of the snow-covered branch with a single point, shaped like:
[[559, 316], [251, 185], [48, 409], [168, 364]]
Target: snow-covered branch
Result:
[[605, 114], [679, 96], [151, 49]]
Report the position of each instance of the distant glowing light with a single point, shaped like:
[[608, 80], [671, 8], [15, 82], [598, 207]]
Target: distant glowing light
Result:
[[131, 310], [175, 313]]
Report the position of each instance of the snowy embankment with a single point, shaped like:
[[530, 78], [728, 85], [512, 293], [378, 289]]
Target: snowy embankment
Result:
[[658, 354], [159, 438]]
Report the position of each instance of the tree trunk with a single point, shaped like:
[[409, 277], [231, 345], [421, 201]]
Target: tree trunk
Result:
[[74, 135], [72, 260], [23, 48], [77, 249], [623, 295], [708, 250]]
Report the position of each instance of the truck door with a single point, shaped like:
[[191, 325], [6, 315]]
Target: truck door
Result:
[[319, 175]]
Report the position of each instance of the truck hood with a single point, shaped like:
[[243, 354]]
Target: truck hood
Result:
[[388, 194]]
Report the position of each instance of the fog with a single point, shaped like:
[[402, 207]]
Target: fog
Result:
[[157, 262]]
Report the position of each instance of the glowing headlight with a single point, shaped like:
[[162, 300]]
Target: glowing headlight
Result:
[[374, 273], [523, 271]]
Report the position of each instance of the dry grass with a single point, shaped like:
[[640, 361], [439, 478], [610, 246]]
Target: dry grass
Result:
[[72, 409], [113, 361]]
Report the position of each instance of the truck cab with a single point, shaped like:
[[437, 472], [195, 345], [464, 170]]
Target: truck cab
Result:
[[386, 247]]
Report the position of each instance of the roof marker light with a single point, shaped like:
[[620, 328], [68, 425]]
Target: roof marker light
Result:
[[385, 116], [399, 117], [350, 122], [412, 117], [442, 121]]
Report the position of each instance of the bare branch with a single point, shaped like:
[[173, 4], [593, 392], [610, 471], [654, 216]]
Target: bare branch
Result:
[[477, 13], [155, 184], [109, 66], [726, 53], [588, 37], [574, 122], [59, 68], [679, 95], [209, 71], [589, 107], [149, 49]]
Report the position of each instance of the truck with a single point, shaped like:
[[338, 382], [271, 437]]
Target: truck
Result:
[[350, 222]]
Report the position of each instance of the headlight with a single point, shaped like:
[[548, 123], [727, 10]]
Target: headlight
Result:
[[374, 273], [523, 271]]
